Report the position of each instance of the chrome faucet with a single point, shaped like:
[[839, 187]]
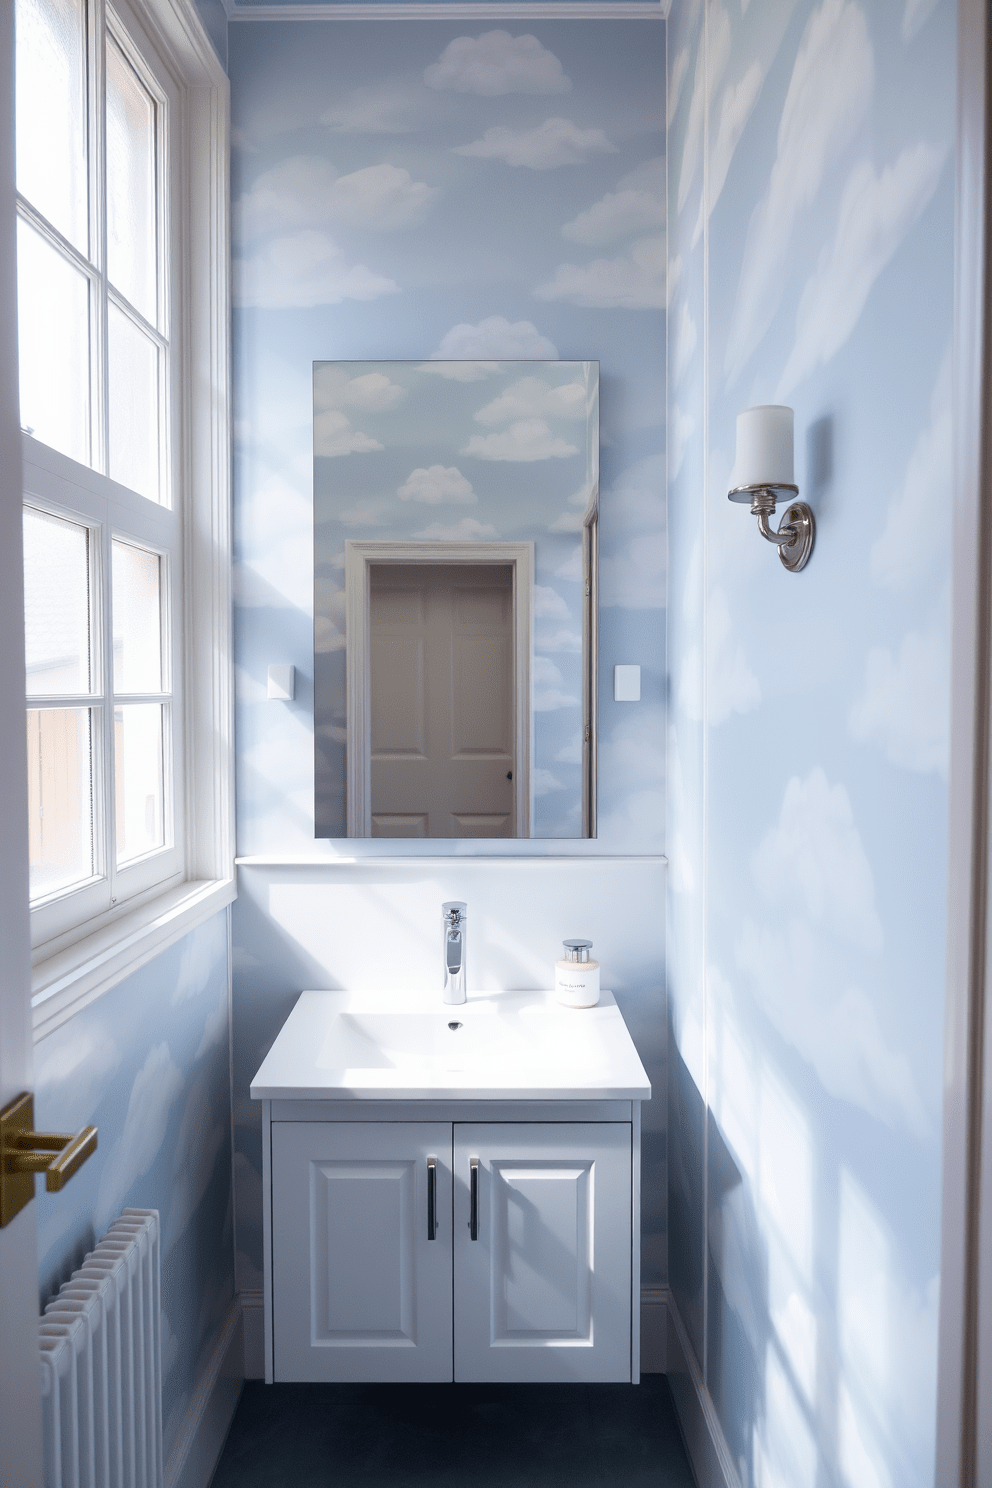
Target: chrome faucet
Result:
[[453, 917]]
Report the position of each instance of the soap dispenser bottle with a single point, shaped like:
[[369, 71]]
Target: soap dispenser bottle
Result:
[[577, 975]]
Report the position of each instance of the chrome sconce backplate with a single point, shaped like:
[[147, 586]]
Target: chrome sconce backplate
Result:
[[797, 530]]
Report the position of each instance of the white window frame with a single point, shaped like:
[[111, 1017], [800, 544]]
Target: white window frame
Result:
[[75, 963]]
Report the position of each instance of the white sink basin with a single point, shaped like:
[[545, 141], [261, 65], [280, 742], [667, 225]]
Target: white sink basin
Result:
[[516, 1045]]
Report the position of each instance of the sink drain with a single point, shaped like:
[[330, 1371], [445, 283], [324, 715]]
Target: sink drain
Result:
[[453, 1026]]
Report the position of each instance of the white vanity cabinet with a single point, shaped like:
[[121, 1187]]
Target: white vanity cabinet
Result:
[[451, 1248]]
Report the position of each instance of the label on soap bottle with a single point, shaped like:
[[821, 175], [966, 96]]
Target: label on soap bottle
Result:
[[577, 983]]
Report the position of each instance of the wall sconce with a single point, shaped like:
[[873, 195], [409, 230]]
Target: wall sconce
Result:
[[764, 474]]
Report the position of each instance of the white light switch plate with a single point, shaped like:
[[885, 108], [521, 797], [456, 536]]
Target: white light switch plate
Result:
[[626, 684], [282, 683]]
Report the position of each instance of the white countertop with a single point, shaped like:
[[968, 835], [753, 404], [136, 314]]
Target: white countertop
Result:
[[398, 1046]]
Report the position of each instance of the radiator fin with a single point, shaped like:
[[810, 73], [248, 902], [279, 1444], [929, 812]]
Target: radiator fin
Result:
[[101, 1364]]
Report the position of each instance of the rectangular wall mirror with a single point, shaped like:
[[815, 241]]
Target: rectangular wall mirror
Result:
[[456, 509]]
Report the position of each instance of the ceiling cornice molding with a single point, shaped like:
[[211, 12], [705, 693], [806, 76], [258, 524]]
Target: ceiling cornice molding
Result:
[[455, 10]]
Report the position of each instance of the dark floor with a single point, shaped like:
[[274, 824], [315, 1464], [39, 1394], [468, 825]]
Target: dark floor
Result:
[[455, 1436]]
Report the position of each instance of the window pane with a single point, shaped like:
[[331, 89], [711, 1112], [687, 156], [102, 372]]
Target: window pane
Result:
[[134, 445], [56, 605], [138, 777], [60, 798], [53, 346], [137, 619], [50, 89], [131, 258]]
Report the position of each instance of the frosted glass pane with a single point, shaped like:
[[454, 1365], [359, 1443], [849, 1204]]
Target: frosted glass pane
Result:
[[137, 619], [50, 91], [53, 346], [131, 260], [60, 798], [133, 397], [56, 605], [138, 777]]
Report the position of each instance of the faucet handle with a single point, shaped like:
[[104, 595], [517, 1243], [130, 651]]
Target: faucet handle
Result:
[[454, 911]]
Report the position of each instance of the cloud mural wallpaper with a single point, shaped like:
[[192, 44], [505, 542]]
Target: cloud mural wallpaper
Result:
[[425, 191], [810, 193]]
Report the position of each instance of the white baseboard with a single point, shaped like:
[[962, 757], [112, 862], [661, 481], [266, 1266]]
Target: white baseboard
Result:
[[205, 1425], [654, 1331], [253, 1322], [712, 1463]]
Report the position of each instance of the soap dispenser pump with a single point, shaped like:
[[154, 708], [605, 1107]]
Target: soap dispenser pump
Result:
[[577, 975]]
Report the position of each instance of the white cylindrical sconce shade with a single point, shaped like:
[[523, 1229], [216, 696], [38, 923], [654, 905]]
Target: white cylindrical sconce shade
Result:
[[764, 447]]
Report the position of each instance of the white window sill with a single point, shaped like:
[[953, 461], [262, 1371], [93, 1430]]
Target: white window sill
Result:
[[63, 984]]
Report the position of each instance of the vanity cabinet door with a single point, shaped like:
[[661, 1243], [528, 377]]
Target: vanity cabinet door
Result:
[[543, 1291], [359, 1290]]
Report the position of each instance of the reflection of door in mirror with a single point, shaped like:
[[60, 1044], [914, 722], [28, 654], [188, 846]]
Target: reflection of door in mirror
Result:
[[441, 697], [439, 663]]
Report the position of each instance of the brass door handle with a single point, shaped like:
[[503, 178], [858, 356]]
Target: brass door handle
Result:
[[24, 1152]]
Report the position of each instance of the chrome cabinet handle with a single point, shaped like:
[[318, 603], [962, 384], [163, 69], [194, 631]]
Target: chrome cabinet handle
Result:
[[473, 1223], [432, 1198]]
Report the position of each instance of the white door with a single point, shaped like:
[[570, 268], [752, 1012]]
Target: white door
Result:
[[20, 1375], [542, 1266], [361, 1288], [441, 693]]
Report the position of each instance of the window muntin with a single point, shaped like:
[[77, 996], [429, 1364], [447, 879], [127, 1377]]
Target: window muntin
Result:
[[95, 368], [92, 210]]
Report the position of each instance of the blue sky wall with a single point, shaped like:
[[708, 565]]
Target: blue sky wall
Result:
[[811, 223], [437, 190], [149, 1064]]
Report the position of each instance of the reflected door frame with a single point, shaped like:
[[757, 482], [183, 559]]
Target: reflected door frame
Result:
[[359, 559]]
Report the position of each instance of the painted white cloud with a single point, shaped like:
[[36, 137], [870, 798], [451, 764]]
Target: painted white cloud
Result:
[[904, 709], [910, 542], [533, 397], [215, 1030], [731, 686], [469, 529], [278, 565], [681, 427], [548, 684], [306, 191], [496, 63], [822, 936], [915, 17], [711, 64], [437, 484], [85, 1065], [542, 782], [381, 108], [636, 206], [828, 97], [554, 143], [676, 78], [634, 281], [372, 392], [633, 573], [527, 439], [202, 1138], [495, 338], [684, 343], [302, 270], [461, 371], [876, 213], [629, 755], [333, 435], [562, 640], [549, 605], [733, 111], [157, 1087]]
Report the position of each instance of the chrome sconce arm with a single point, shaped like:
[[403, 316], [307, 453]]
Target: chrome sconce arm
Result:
[[797, 530]]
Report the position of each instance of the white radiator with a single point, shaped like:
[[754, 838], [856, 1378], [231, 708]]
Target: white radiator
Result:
[[101, 1364]]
